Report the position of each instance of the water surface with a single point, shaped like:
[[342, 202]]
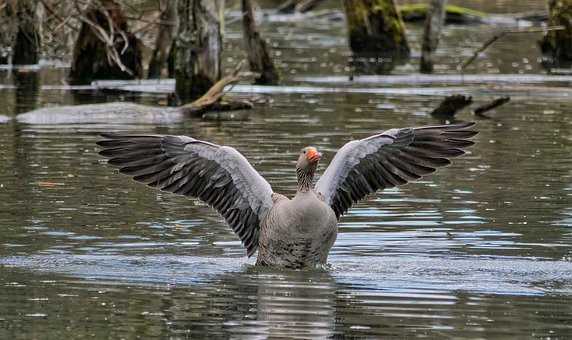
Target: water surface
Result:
[[482, 249]]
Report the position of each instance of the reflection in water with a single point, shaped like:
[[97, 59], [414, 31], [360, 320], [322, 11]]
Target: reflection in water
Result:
[[27, 90], [290, 305]]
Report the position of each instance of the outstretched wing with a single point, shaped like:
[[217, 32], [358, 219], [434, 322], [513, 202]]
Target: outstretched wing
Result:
[[218, 175], [389, 159]]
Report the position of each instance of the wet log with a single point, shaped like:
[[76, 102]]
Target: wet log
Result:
[[165, 38], [557, 45], [432, 33], [451, 105], [376, 35], [105, 48], [211, 100], [481, 110], [259, 58], [28, 41], [199, 47]]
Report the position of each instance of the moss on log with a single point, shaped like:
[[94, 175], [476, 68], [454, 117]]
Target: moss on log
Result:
[[93, 58], [453, 14], [376, 33], [558, 44]]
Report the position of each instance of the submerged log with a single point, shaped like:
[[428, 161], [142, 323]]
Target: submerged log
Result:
[[376, 35], [213, 100], [28, 41], [557, 45], [431, 35], [164, 41], [105, 48], [199, 47], [259, 58], [453, 14], [481, 110], [451, 105]]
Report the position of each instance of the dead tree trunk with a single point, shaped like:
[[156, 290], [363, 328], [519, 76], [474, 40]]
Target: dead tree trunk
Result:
[[28, 42], [376, 32], [8, 27], [259, 58], [433, 25], [105, 48], [198, 47], [558, 44], [167, 31]]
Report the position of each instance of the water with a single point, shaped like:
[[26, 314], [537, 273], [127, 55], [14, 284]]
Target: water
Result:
[[482, 249]]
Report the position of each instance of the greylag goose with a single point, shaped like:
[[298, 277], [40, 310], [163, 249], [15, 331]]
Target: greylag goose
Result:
[[297, 232]]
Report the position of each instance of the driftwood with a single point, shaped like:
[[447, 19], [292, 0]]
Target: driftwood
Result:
[[212, 99], [480, 111], [258, 54], [431, 35]]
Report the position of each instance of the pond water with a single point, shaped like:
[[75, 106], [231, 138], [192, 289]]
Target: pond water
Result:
[[481, 249]]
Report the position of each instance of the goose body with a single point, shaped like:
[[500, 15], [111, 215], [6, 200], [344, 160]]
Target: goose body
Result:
[[297, 232]]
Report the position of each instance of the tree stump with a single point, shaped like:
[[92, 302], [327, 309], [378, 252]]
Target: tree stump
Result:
[[259, 58], [558, 44], [167, 31], [198, 47], [105, 48], [433, 25], [376, 35], [28, 41]]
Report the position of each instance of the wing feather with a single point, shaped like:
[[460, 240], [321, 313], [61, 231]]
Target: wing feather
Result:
[[218, 175], [392, 158]]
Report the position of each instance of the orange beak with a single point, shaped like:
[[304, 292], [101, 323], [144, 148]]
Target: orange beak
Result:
[[313, 155]]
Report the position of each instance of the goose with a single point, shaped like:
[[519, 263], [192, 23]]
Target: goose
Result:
[[287, 232]]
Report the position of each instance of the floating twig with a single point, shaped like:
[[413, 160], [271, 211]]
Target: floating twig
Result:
[[479, 111]]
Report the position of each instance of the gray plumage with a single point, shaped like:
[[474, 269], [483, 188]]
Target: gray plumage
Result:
[[295, 232]]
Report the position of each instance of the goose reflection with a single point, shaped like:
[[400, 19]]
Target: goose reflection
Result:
[[265, 303]]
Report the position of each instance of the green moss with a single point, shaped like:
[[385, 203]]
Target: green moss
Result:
[[364, 19]]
